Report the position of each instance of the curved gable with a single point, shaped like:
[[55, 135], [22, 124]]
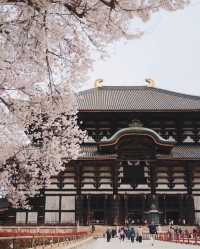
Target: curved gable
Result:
[[136, 142]]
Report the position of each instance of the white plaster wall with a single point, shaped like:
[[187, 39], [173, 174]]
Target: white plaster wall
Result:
[[68, 203], [68, 217], [51, 217], [52, 203], [21, 217], [197, 207], [32, 217]]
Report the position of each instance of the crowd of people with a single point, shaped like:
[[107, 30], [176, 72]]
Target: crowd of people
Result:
[[131, 233], [178, 232]]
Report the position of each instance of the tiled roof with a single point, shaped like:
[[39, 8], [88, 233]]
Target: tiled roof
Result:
[[135, 98], [178, 152], [90, 151], [186, 151]]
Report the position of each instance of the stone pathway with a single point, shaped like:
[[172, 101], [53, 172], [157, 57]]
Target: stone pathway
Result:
[[146, 244]]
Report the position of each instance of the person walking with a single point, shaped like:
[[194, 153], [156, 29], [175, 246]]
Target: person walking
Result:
[[108, 235], [122, 234], [129, 233], [132, 235], [153, 232], [139, 234]]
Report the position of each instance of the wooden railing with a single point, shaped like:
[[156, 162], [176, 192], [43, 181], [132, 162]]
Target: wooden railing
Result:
[[23, 240]]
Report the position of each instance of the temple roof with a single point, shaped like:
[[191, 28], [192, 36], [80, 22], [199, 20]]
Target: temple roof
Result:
[[185, 151], [135, 98]]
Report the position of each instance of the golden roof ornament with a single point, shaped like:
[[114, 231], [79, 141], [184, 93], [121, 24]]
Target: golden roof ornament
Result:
[[150, 83], [98, 83]]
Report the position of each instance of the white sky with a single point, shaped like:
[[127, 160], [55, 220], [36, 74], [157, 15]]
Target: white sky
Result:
[[169, 53]]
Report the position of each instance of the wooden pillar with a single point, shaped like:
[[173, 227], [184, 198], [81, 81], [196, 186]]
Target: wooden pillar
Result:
[[41, 210], [79, 210], [79, 201], [189, 210], [88, 210], [165, 210], [152, 178], [189, 204], [143, 206], [116, 203], [116, 198], [125, 209], [188, 178], [106, 211], [181, 208]]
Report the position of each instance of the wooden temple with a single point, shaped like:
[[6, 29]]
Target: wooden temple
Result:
[[141, 162]]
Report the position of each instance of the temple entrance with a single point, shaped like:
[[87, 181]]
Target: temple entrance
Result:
[[170, 207], [101, 209], [97, 209], [177, 209], [135, 209], [131, 209]]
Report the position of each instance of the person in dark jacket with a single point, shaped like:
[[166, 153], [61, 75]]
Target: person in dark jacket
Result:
[[132, 234], [128, 233], [153, 232], [108, 234]]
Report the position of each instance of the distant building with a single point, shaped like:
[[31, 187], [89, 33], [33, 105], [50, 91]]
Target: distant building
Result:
[[142, 160]]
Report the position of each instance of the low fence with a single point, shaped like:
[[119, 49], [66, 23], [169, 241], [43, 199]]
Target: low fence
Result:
[[183, 238], [21, 240]]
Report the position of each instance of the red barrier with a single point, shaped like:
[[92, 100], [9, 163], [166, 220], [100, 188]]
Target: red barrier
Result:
[[25, 240], [39, 234], [183, 238]]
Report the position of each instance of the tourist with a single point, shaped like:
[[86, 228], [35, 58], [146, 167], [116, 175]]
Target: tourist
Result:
[[108, 234], [93, 228], [171, 232], [132, 234], [153, 232], [113, 233], [139, 234], [118, 232], [129, 233], [122, 234]]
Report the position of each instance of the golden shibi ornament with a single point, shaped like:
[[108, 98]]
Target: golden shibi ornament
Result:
[[150, 82]]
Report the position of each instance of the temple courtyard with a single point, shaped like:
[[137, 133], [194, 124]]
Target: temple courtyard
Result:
[[146, 244]]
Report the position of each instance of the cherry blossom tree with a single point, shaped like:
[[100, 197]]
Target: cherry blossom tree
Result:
[[46, 49]]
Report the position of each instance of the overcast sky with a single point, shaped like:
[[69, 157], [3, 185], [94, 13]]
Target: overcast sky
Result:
[[169, 53]]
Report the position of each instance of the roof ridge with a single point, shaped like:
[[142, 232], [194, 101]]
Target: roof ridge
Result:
[[128, 87], [184, 95]]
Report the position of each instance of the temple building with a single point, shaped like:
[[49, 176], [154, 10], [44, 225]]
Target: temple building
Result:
[[141, 162]]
